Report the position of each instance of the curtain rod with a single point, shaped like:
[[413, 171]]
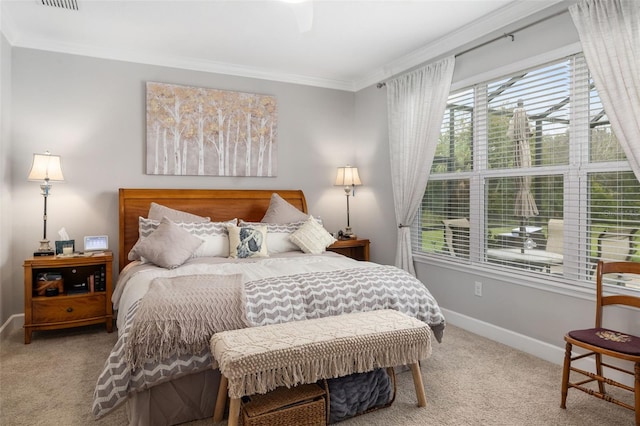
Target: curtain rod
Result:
[[505, 35]]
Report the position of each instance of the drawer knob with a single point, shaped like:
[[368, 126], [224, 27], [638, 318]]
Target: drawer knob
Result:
[[69, 309]]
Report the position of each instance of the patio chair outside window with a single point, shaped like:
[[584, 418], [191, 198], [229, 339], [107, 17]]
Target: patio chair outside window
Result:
[[555, 241], [616, 244], [456, 235]]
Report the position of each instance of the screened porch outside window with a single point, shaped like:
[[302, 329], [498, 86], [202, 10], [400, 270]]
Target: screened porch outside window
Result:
[[530, 164]]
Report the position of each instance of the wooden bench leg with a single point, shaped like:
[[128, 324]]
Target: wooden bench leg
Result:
[[234, 412], [221, 400], [417, 382]]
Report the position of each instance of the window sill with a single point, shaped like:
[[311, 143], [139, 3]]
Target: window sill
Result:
[[552, 285]]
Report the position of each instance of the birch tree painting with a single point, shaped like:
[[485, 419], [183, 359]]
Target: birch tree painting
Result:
[[210, 132]]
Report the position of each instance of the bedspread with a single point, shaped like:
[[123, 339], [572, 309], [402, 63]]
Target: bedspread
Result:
[[318, 288]]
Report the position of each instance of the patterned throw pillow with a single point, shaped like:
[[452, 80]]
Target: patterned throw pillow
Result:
[[312, 237], [168, 246], [247, 241], [278, 235], [281, 211]]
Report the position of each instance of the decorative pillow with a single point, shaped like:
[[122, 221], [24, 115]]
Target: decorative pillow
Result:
[[214, 235], [278, 235], [281, 211], [169, 246], [312, 237], [158, 211], [247, 241]]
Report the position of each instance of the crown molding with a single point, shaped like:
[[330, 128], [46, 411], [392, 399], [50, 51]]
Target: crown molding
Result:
[[455, 40], [187, 63]]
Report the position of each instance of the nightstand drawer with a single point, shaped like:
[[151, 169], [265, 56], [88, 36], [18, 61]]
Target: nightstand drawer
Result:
[[68, 308], [355, 249]]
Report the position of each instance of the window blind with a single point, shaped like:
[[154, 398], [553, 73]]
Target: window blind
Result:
[[528, 175]]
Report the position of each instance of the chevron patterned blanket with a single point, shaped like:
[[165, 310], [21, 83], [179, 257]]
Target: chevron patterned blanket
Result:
[[270, 300]]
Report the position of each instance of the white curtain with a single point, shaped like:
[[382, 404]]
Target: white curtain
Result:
[[416, 102], [609, 32]]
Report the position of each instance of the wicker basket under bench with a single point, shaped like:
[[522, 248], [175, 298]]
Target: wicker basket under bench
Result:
[[258, 360], [312, 404], [304, 405]]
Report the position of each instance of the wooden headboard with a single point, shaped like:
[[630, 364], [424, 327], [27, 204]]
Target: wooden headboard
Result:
[[218, 204]]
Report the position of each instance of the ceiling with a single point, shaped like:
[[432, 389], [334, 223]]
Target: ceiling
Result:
[[340, 44]]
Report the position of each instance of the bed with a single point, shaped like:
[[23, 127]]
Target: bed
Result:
[[161, 367]]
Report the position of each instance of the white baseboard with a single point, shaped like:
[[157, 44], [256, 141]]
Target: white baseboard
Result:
[[546, 351], [13, 323], [518, 341]]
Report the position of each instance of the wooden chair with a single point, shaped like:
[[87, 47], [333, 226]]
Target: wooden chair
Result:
[[601, 342]]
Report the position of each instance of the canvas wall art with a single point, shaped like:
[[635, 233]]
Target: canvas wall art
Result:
[[208, 132]]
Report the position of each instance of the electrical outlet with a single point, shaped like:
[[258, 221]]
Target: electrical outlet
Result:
[[478, 289]]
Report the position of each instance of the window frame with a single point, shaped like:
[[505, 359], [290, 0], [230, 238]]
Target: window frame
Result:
[[575, 176]]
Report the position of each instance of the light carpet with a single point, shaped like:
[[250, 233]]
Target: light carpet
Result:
[[469, 380]]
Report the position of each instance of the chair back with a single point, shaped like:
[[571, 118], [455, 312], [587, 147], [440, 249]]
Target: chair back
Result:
[[456, 236], [616, 244], [555, 236], [631, 270]]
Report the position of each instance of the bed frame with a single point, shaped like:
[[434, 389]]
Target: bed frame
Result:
[[218, 204], [193, 396]]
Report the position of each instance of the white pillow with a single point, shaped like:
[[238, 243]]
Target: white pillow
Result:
[[213, 234], [247, 241], [158, 211], [281, 211], [168, 246], [312, 237]]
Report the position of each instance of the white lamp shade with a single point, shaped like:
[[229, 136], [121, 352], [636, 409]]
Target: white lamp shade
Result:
[[348, 176], [46, 166]]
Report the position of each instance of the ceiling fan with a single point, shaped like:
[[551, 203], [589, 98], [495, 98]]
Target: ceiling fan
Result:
[[303, 11]]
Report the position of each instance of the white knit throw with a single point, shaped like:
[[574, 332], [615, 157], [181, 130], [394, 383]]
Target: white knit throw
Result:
[[179, 315]]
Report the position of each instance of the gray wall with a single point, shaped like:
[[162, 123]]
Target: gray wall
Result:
[[92, 113], [511, 306], [525, 313], [374, 200], [8, 292]]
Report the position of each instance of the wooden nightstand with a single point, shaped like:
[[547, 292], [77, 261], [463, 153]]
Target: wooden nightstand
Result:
[[355, 249], [86, 295]]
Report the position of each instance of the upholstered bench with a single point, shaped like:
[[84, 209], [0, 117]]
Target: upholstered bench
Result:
[[257, 360]]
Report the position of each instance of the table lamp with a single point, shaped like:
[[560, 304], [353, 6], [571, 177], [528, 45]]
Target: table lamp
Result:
[[45, 168], [349, 178]]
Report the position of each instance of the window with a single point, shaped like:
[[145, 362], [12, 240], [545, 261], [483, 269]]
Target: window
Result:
[[529, 175]]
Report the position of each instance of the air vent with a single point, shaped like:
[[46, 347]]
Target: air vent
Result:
[[61, 4]]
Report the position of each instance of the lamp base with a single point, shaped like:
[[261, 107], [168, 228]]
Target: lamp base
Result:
[[42, 253], [44, 249], [348, 234]]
